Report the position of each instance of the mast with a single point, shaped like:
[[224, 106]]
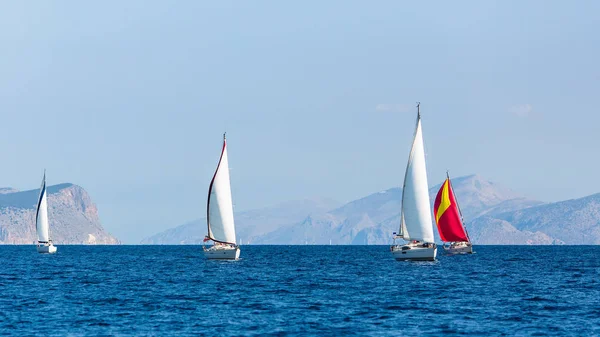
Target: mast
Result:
[[462, 220], [41, 214], [222, 209], [416, 209], [210, 187], [406, 172]]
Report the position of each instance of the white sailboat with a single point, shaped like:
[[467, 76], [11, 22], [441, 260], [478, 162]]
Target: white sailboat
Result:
[[415, 217], [44, 244], [219, 213]]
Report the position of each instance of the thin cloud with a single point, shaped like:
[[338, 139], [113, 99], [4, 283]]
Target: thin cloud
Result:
[[521, 110], [394, 107]]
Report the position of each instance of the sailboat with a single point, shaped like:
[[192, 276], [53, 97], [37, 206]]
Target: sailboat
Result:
[[219, 213], [415, 218], [448, 218], [44, 244]]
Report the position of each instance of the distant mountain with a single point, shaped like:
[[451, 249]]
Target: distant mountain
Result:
[[478, 196], [575, 221], [249, 224], [72, 214], [369, 220], [490, 231], [362, 221], [6, 190], [372, 219]]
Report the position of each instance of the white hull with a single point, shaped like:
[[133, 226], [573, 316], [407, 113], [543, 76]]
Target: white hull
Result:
[[414, 252], [46, 249], [459, 248], [222, 253]]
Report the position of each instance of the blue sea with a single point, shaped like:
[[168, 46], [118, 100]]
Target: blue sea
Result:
[[299, 291]]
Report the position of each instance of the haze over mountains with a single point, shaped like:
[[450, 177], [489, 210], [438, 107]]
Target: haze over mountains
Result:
[[72, 214], [494, 215], [250, 224], [573, 222]]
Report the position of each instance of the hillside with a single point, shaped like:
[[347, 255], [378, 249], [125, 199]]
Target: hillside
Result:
[[250, 224], [573, 222], [368, 220], [72, 214], [373, 219]]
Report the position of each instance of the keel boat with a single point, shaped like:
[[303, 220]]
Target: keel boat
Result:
[[449, 220], [416, 225], [219, 214], [44, 244]]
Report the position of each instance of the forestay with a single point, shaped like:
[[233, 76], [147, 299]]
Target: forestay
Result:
[[415, 222], [220, 221], [41, 217], [447, 215]]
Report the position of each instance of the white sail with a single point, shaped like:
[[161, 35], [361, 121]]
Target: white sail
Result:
[[415, 221], [41, 219], [221, 226]]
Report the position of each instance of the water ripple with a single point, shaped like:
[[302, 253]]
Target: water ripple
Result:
[[299, 290]]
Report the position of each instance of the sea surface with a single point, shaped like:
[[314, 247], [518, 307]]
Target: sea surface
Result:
[[299, 290]]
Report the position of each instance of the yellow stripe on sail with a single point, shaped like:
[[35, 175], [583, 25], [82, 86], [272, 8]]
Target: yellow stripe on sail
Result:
[[444, 202]]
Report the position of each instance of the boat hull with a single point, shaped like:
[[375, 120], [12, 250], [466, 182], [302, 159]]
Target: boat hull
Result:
[[222, 253], [46, 249], [414, 252], [459, 248]]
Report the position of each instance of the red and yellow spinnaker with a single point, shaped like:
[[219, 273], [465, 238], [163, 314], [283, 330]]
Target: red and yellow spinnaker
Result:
[[447, 215]]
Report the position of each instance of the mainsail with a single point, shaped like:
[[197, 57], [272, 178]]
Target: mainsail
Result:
[[219, 210], [41, 216], [447, 215], [415, 219]]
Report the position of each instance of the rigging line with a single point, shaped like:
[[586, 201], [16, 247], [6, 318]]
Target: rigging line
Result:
[[462, 220]]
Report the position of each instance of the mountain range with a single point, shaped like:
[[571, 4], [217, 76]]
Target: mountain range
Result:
[[250, 224], [72, 215], [572, 222], [493, 215]]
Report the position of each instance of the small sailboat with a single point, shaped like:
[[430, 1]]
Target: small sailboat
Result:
[[219, 213], [448, 218], [415, 218], [44, 244]]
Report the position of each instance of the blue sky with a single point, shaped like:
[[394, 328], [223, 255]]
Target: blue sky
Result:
[[130, 99]]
